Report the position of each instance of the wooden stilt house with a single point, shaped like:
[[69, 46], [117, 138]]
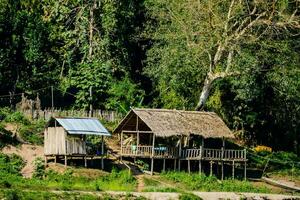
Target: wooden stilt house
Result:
[[178, 135], [65, 137]]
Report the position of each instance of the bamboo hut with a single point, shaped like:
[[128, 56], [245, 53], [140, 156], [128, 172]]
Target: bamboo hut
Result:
[[66, 137], [178, 135]]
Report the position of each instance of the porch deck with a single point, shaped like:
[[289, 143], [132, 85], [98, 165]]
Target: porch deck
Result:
[[184, 154]]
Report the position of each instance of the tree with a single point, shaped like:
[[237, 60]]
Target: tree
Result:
[[210, 36]]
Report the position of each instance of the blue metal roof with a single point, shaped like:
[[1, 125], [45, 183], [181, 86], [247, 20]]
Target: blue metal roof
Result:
[[86, 126]]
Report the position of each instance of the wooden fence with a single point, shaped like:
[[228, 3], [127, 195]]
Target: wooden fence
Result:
[[46, 114]]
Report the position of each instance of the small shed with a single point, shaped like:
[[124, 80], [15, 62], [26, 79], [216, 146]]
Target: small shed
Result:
[[66, 137]]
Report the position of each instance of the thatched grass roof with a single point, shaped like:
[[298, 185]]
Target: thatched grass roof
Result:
[[166, 123]]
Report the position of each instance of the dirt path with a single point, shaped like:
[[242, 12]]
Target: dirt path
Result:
[[28, 153], [140, 180]]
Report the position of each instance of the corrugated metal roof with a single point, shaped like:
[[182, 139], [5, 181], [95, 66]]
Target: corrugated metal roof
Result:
[[87, 126]]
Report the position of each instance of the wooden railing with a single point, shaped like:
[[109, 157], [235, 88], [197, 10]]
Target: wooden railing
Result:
[[173, 152], [191, 153], [167, 152]]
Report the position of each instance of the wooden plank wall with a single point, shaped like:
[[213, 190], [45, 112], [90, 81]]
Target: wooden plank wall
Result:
[[75, 145], [54, 141]]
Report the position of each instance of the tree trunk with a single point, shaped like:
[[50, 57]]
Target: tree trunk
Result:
[[205, 92], [210, 78]]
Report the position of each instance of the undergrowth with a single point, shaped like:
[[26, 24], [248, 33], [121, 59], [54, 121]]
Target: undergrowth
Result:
[[29, 130], [197, 182]]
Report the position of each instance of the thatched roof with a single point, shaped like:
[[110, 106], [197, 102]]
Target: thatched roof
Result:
[[166, 123]]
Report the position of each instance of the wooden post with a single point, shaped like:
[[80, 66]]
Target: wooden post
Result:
[[233, 169], [121, 145], [164, 165], [85, 161], [211, 163], [102, 151], [152, 157], [46, 160], [52, 99], [55, 159], [200, 166], [179, 153], [222, 161], [189, 166], [66, 160], [175, 164], [91, 104], [222, 169], [245, 171]]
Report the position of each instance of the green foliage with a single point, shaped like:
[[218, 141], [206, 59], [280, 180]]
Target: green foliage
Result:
[[189, 196], [210, 183], [16, 117], [10, 164], [6, 137], [124, 94], [33, 132], [142, 164], [44, 195], [39, 168], [116, 180]]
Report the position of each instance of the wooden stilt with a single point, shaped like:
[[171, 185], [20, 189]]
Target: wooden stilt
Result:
[[121, 144], [200, 166], [164, 165], [85, 161], [233, 169], [46, 160], [152, 156], [189, 166], [222, 162], [102, 151], [245, 171], [211, 165], [55, 157], [152, 162], [66, 160], [179, 153], [174, 164], [222, 170]]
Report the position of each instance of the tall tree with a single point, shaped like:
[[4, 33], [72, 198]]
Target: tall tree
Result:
[[209, 37]]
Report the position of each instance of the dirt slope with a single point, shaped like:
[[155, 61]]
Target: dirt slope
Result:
[[28, 153]]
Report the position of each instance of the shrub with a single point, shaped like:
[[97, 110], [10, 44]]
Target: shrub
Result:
[[32, 132], [11, 163], [16, 117], [6, 137], [189, 196], [39, 168]]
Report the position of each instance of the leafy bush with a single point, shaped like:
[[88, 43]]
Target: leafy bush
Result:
[[39, 168], [142, 164], [6, 137], [189, 196], [32, 133], [16, 117], [11, 163]]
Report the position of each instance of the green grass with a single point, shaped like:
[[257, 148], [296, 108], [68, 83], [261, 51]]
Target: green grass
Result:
[[189, 196], [151, 185], [11, 178], [196, 182]]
